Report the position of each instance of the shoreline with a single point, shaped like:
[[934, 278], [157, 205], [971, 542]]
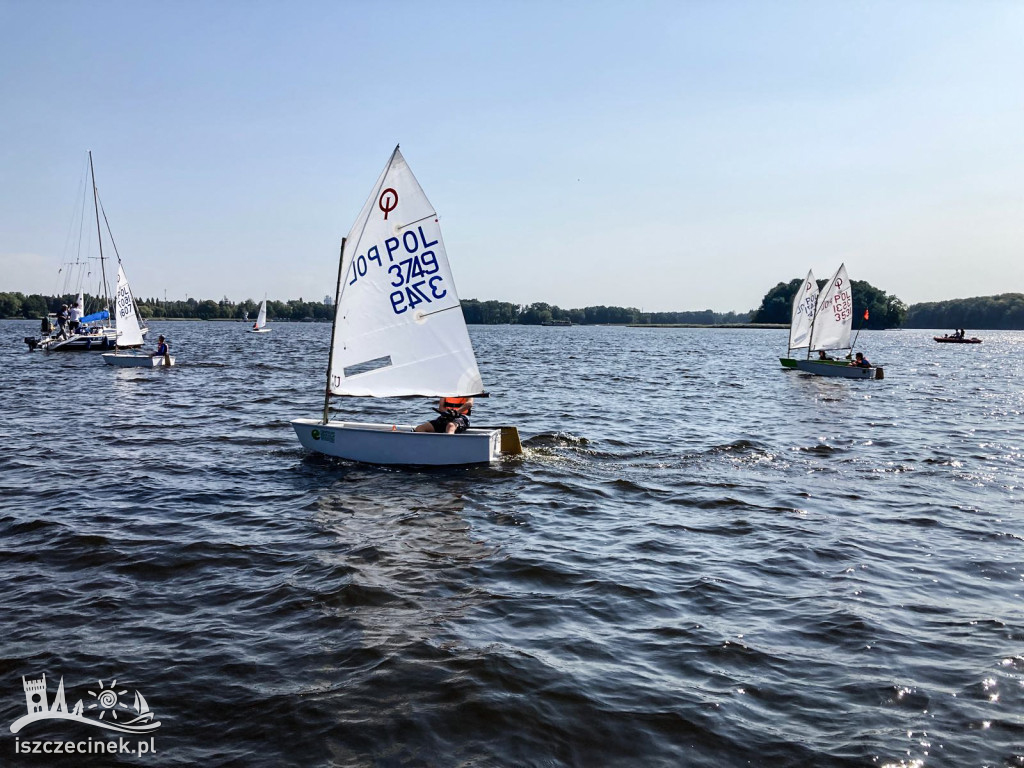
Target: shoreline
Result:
[[771, 326]]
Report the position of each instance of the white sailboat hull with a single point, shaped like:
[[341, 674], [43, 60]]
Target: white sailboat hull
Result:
[[398, 444], [135, 361], [260, 330], [841, 371], [103, 339]]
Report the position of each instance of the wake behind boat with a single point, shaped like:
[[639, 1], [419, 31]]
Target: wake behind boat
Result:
[[399, 331]]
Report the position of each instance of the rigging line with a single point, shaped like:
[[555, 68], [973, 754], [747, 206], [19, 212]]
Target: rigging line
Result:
[[411, 223], [99, 233], [439, 311], [109, 233], [78, 218]]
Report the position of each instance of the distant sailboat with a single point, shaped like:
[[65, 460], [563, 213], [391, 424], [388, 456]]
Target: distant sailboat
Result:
[[804, 303], [129, 334], [94, 331], [831, 328], [399, 331], [261, 320]]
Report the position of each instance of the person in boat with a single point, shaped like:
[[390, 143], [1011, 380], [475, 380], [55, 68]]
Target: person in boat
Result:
[[822, 355], [62, 320], [860, 361], [256, 325], [161, 348], [454, 416], [73, 317]]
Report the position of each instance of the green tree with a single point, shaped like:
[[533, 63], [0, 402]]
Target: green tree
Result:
[[207, 309], [10, 304], [34, 306], [1002, 312], [884, 311]]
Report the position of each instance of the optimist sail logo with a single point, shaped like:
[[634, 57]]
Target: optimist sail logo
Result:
[[109, 707]]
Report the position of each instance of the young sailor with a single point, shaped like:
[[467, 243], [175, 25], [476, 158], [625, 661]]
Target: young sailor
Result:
[[161, 349], [454, 416]]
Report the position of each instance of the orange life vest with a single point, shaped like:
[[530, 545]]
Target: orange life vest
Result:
[[455, 402]]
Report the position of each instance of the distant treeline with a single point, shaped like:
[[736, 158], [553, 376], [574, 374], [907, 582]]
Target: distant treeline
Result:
[[1004, 312], [35, 306], [476, 312], [502, 312], [884, 311]]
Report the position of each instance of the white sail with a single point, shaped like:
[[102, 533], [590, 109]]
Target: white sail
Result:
[[261, 319], [804, 304], [833, 319], [129, 334], [399, 328]]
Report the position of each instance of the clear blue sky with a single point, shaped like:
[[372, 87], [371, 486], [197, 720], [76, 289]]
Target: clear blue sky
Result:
[[676, 155]]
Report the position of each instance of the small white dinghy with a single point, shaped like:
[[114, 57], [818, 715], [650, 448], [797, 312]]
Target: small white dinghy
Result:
[[129, 334], [260, 326], [399, 331], [804, 302], [129, 360]]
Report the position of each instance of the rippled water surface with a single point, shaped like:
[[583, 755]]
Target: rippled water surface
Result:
[[700, 560]]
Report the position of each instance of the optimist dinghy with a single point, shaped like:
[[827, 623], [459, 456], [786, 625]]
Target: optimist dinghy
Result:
[[129, 334], [399, 331], [831, 326], [804, 302]]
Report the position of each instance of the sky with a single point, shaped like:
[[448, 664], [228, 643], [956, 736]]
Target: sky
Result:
[[665, 155]]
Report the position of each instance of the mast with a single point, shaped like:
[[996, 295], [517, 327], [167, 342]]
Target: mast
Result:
[[334, 322], [99, 234]]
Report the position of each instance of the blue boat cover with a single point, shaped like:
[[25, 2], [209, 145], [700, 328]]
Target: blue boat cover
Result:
[[101, 315]]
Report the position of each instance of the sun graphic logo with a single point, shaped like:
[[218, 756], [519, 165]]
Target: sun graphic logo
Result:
[[107, 700]]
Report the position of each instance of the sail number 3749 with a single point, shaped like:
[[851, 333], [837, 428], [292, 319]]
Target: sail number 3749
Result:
[[415, 279]]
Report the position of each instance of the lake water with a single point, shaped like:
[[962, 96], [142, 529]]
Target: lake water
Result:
[[700, 560]]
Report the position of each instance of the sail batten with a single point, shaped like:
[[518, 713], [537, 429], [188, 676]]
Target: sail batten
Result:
[[394, 289]]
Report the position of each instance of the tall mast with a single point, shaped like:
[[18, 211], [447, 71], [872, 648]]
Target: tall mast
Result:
[[334, 323], [99, 233], [817, 302], [810, 333]]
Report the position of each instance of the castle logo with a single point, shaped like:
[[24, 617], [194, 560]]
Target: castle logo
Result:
[[105, 708]]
